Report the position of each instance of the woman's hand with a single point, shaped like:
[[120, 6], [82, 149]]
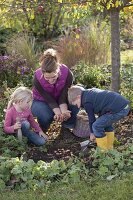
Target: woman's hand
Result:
[[42, 134], [65, 112], [59, 118], [17, 125]]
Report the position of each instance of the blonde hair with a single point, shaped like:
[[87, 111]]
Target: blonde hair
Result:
[[73, 92], [21, 93], [49, 61]]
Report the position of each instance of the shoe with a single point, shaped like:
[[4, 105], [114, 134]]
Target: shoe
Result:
[[110, 139], [102, 143]]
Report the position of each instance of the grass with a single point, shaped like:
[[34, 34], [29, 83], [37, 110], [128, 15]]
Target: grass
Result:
[[101, 190]]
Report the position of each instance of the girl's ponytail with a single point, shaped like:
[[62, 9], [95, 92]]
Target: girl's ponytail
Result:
[[10, 103]]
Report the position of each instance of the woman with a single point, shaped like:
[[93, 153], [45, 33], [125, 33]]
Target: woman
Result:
[[51, 83]]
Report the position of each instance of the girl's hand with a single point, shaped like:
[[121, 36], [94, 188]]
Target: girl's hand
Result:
[[92, 137], [42, 134], [17, 125]]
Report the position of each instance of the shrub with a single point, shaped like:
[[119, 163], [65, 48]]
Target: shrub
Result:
[[20, 62], [127, 28], [13, 69], [91, 45], [3, 102], [70, 50], [5, 34], [127, 82], [88, 75], [23, 46]]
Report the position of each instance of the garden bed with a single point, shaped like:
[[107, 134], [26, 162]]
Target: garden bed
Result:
[[65, 144]]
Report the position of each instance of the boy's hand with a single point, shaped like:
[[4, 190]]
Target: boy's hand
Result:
[[92, 137], [17, 125], [42, 134], [58, 115], [66, 115]]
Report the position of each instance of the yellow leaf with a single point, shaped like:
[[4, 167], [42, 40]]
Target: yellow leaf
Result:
[[32, 16], [59, 1], [113, 5], [108, 6], [128, 9], [116, 4], [77, 36]]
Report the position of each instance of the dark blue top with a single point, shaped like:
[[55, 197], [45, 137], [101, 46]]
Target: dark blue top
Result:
[[97, 101]]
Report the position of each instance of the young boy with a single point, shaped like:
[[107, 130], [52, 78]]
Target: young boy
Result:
[[108, 105]]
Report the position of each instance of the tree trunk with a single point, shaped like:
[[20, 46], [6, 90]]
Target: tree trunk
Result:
[[115, 50]]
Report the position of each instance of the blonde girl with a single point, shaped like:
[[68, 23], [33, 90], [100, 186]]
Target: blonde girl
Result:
[[19, 116]]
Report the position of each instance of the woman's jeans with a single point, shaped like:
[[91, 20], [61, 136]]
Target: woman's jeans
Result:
[[31, 135], [45, 115], [104, 123]]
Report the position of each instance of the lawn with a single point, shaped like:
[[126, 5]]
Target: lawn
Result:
[[101, 190]]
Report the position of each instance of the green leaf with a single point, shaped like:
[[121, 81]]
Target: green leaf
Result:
[[103, 171], [108, 161]]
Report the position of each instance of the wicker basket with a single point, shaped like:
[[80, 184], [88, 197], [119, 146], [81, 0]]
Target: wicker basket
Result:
[[82, 128]]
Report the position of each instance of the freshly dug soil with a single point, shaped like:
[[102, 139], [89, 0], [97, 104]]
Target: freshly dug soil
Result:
[[63, 143]]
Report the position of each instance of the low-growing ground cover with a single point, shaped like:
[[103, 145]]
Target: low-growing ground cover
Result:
[[62, 159]]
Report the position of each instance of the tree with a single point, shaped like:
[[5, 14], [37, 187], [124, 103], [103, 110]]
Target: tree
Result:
[[115, 42], [115, 49], [112, 7], [43, 18]]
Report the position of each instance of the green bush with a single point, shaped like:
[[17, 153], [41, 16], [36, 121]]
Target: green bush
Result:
[[96, 76], [5, 34], [127, 82], [3, 102], [89, 76]]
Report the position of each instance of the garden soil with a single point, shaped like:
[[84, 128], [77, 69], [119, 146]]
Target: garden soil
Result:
[[63, 144]]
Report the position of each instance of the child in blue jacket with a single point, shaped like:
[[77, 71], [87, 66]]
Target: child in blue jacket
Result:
[[109, 106]]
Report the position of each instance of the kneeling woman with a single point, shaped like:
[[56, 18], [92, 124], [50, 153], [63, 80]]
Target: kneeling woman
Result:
[[51, 83]]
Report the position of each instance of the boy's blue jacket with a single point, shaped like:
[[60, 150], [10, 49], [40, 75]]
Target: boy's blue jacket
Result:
[[97, 101]]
